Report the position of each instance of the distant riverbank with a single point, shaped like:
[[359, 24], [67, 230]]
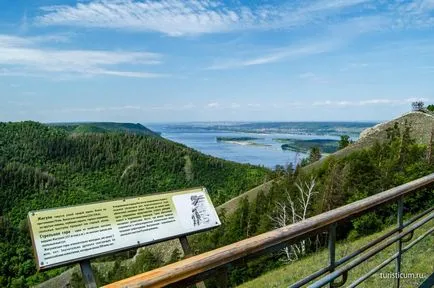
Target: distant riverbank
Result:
[[258, 144]]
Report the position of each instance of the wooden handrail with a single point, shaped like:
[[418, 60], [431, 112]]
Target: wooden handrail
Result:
[[196, 265]]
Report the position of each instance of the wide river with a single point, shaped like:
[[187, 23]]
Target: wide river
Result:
[[204, 140]]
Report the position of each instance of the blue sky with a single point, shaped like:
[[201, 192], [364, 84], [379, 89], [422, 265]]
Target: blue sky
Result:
[[182, 60]]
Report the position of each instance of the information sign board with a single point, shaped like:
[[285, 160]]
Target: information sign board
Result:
[[67, 235]]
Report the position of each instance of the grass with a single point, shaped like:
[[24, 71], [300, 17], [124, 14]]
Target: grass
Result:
[[231, 206], [419, 259]]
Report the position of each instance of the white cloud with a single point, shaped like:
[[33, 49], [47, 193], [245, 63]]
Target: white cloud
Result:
[[309, 76], [213, 105], [345, 103], [188, 106], [235, 106], [187, 17], [171, 107], [24, 56], [256, 105]]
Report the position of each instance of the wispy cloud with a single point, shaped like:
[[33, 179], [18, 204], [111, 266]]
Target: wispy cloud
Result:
[[309, 76], [277, 55], [337, 36], [187, 17], [172, 107], [417, 13], [25, 56], [122, 108], [381, 101], [235, 105], [255, 105], [213, 105], [97, 109]]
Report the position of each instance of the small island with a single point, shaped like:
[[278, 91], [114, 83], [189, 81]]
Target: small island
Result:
[[303, 146], [225, 139], [242, 141]]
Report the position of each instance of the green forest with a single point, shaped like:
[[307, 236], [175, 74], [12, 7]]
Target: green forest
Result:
[[44, 166], [336, 182], [104, 127]]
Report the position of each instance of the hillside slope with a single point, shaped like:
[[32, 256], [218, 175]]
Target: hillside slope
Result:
[[421, 126], [231, 206], [43, 166]]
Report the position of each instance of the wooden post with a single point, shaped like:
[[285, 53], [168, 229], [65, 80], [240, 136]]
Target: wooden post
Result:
[[87, 273], [188, 253]]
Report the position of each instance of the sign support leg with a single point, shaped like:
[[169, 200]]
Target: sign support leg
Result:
[[188, 253], [223, 277], [87, 273]]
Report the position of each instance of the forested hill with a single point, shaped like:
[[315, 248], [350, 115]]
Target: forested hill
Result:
[[104, 127], [43, 166]]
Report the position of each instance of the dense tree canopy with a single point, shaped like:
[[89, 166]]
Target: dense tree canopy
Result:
[[43, 166]]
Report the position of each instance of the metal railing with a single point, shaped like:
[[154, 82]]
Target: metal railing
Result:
[[200, 267]]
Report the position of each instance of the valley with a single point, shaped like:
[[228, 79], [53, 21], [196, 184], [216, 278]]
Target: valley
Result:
[[44, 166], [260, 143]]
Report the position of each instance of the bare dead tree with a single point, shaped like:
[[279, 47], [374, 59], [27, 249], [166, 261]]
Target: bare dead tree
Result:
[[290, 212], [282, 219]]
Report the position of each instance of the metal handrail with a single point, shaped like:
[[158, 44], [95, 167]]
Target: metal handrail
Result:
[[203, 263]]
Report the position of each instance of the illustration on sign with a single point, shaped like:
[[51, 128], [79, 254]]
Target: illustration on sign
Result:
[[67, 235], [200, 214]]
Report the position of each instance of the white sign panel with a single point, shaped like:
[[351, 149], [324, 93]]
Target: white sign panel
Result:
[[66, 235]]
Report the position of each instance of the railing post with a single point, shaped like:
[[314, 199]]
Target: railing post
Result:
[[188, 253], [86, 272], [399, 243], [332, 249]]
